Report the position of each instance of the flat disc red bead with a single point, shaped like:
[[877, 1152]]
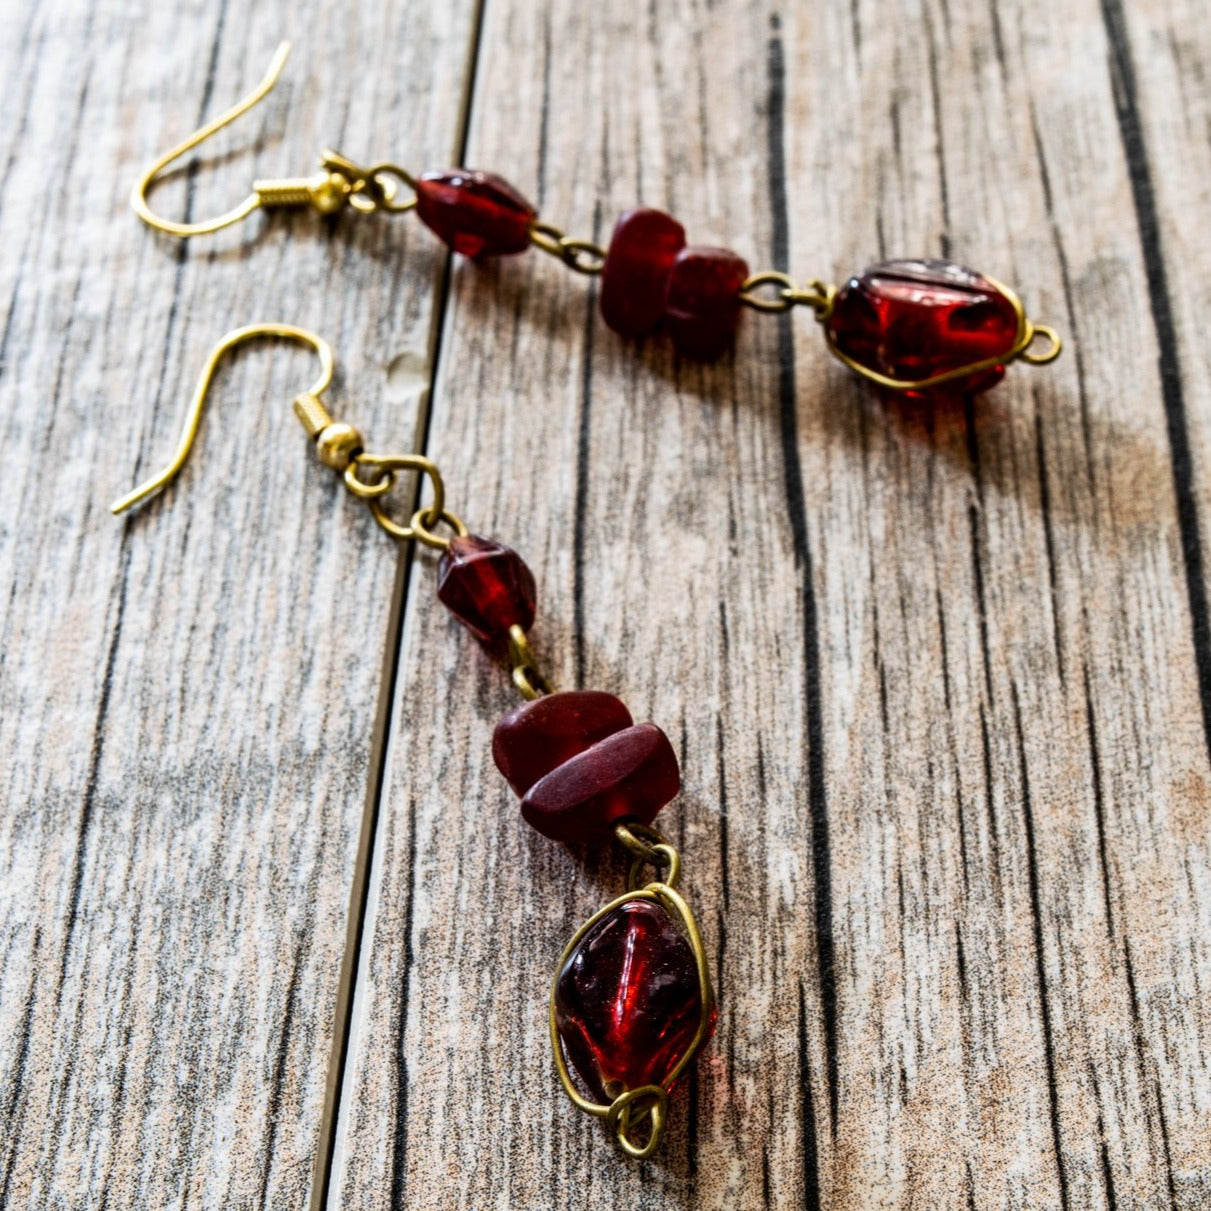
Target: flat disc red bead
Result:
[[911, 320], [628, 1001], [530, 741], [634, 277], [702, 301], [476, 213], [629, 775]]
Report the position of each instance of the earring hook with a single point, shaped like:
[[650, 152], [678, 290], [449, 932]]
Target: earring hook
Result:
[[138, 196], [193, 417]]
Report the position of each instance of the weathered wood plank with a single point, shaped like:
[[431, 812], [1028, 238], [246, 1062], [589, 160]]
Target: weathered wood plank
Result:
[[186, 699], [932, 669]]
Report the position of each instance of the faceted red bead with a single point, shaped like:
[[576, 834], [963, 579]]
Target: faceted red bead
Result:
[[476, 213], [702, 301], [642, 250], [532, 740], [629, 775], [486, 586], [911, 320], [627, 1000]]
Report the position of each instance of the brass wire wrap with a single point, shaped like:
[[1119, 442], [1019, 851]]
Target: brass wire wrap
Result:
[[820, 297], [648, 1103]]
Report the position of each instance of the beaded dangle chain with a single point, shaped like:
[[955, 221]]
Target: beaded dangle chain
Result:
[[917, 326], [631, 999]]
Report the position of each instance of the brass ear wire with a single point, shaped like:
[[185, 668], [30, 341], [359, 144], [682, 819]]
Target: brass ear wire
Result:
[[369, 477], [193, 417], [341, 182]]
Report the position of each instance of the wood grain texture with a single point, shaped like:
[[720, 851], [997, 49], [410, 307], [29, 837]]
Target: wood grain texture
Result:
[[187, 698], [934, 672], [939, 676]]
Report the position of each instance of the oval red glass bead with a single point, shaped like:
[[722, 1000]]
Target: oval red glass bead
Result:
[[911, 320], [532, 740], [635, 275], [486, 586], [628, 1001], [702, 301], [629, 775], [476, 213]]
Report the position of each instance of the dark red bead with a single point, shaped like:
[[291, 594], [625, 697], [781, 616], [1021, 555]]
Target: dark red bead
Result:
[[629, 775], [628, 1001], [486, 586], [476, 213], [635, 275], [911, 320], [702, 301], [532, 740]]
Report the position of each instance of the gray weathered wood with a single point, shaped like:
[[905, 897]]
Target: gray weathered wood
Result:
[[939, 676], [931, 671], [187, 698]]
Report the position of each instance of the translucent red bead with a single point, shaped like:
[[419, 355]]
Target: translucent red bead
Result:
[[628, 1001], [911, 320], [476, 213], [635, 276], [702, 301], [487, 587], [581, 766], [651, 277]]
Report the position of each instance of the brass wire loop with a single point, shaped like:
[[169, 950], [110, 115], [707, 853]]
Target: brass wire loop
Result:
[[583, 256], [340, 182], [527, 677], [816, 294]]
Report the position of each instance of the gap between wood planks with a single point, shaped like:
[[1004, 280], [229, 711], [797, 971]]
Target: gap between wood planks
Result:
[[348, 997]]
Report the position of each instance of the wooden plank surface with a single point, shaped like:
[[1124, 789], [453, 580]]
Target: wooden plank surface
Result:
[[939, 676], [188, 697]]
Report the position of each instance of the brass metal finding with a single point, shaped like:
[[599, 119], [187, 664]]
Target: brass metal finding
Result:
[[340, 182], [648, 1103], [1020, 350], [820, 297], [369, 477], [581, 255], [529, 680], [193, 416]]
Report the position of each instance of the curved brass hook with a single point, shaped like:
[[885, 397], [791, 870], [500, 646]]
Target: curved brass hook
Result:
[[192, 418], [138, 196]]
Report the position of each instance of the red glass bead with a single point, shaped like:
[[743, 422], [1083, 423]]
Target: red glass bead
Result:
[[627, 1000], [634, 277], [476, 213], [911, 320], [702, 301], [486, 586], [532, 740], [629, 775]]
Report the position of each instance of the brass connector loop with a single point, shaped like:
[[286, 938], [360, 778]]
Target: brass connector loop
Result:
[[816, 294], [583, 256], [529, 680]]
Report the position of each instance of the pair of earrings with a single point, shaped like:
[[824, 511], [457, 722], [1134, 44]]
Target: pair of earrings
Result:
[[631, 1000]]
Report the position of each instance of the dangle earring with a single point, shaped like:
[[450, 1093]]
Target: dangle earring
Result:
[[631, 1000], [916, 326]]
